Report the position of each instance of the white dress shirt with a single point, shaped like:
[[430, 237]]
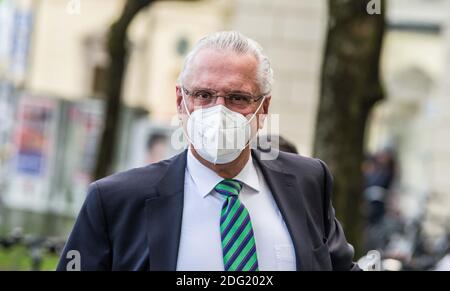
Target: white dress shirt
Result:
[[200, 243]]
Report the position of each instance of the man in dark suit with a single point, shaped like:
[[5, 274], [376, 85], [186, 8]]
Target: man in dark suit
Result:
[[219, 205]]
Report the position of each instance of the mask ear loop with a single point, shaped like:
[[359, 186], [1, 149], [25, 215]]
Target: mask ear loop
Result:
[[184, 101], [187, 111], [254, 114]]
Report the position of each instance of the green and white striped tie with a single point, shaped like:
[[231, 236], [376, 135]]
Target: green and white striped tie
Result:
[[238, 242]]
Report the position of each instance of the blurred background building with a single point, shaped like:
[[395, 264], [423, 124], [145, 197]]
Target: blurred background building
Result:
[[52, 63]]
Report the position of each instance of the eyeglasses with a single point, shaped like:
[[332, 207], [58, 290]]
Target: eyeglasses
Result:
[[208, 97]]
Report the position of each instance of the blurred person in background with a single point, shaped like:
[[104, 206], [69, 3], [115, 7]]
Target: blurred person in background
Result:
[[380, 169], [218, 205], [157, 146], [379, 174]]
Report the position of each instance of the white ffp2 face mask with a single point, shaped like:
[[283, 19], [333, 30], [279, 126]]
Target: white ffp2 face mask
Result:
[[219, 134]]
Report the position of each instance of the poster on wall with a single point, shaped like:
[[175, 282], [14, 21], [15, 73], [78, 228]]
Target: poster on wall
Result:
[[23, 21], [85, 125], [16, 23], [33, 139], [34, 142], [6, 34]]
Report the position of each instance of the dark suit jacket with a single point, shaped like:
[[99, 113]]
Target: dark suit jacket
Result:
[[132, 220]]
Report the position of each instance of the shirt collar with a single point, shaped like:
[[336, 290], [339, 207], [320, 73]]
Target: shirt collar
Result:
[[206, 179]]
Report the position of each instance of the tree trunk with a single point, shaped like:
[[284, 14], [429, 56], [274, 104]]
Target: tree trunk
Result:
[[117, 51], [350, 86]]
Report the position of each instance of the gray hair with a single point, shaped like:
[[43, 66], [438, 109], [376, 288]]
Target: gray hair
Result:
[[240, 44]]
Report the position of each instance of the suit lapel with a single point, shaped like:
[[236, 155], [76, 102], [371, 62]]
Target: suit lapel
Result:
[[290, 202], [164, 217]]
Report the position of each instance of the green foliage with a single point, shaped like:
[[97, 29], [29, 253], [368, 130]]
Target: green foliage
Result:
[[18, 258]]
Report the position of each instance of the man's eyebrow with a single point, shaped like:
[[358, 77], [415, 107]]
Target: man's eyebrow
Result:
[[202, 89], [240, 91]]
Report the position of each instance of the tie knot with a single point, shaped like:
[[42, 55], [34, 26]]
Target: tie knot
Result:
[[229, 187]]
